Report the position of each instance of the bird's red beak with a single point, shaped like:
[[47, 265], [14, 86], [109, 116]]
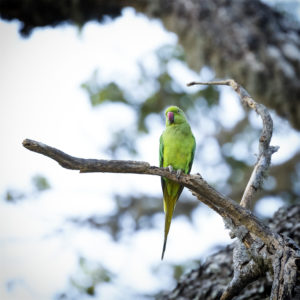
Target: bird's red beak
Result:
[[170, 117]]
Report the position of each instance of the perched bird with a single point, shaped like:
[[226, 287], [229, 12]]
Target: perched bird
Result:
[[176, 152]]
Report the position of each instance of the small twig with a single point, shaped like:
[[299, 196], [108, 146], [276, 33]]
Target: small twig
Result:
[[265, 150]]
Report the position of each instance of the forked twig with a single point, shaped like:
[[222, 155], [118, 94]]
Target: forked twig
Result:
[[265, 151]]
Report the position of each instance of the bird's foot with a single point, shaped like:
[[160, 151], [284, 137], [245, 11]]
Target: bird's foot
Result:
[[178, 173], [170, 169]]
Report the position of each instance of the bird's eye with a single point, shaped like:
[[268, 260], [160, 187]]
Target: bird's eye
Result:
[[178, 110]]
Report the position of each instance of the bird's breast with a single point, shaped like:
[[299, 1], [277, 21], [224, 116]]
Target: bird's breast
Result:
[[177, 148]]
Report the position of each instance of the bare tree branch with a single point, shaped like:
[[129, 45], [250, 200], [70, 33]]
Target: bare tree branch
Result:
[[223, 205], [265, 150], [86, 165]]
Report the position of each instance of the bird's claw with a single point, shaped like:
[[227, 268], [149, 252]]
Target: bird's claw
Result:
[[170, 169], [178, 173]]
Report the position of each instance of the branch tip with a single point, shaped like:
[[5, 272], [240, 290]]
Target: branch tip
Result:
[[26, 143]]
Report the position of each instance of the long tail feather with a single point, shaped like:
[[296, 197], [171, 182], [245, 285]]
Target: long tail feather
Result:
[[164, 248], [171, 192], [169, 205]]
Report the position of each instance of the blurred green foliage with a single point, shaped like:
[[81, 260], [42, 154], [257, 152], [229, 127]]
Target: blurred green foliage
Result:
[[39, 183], [13, 196], [166, 90], [85, 281], [110, 92], [90, 275]]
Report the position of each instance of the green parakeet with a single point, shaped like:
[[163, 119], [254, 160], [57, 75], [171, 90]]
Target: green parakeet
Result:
[[176, 152]]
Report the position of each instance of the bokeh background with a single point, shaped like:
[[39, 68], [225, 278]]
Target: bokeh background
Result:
[[100, 91]]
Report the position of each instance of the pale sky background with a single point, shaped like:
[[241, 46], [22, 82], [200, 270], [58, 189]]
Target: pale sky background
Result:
[[41, 99]]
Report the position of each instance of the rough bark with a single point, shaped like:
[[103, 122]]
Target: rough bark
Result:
[[239, 39], [210, 279]]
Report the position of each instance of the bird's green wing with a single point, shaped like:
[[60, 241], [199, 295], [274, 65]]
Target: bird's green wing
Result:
[[192, 157], [161, 160], [161, 151]]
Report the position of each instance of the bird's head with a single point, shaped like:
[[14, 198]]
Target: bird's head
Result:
[[174, 115]]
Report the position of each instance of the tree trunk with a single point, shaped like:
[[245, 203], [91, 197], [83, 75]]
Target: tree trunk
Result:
[[210, 279], [245, 40]]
